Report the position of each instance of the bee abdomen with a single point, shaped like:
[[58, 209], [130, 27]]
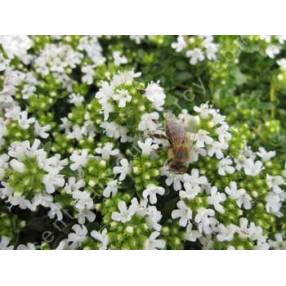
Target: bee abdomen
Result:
[[182, 154]]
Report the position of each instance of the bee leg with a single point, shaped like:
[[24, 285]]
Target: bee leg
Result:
[[170, 154], [160, 136], [170, 158]]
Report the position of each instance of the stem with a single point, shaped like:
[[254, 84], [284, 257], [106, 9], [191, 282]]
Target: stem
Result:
[[272, 99]]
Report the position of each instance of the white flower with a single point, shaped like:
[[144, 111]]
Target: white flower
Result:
[[147, 122], [155, 93], [152, 191], [3, 128], [79, 159], [278, 243], [216, 198], [115, 131], [101, 237], [24, 121], [272, 51], [251, 167], [28, 90], [88, 71], [85, 214], [282, 64], [148, 146], [183, 212], [21, 150], [202, 139], [29, 246], [243, 227], [106, 151], [179, 45], [42, 199], [72, 185], [274, 202], [153, 216], [77, 132], [196, 55], [4, 158], [193, 184], [42, 130], [124, 213], [122, 170], [17, 166], [217, 149], [137, 38], [223, 134], [21, 202], [52, 181], [122, 96], [82, 200], [124, 77], [17, 46], [52, 164], [118, 58], [55, 211], [264, 155], [191, 234], [226, 233], [203, 110], [225, 167], [205, 220], [240, 195], [262, 245], [3, 63], [79, 236], [173, 179], [91, 46], [266, 38], [56, 59], [250, 230], [211, 48], [76, 99], [153, 243], [63, 245], [111, 189], [281, 39], [4, 243], [104, 94], [274, 183]]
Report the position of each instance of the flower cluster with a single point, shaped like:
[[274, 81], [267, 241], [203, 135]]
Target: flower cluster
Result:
[[197, 49], [86, 162]]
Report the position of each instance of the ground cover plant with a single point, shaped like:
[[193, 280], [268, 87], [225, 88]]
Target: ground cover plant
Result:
[[86, 162]]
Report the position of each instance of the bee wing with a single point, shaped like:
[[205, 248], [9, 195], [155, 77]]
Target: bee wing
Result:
[[175, 132]]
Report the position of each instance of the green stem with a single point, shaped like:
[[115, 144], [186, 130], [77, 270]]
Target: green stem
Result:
[[272, 99]]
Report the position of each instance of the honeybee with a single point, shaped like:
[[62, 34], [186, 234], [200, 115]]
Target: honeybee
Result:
[[181, 144]]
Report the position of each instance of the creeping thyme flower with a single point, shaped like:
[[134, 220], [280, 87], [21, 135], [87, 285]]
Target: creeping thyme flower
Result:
[[111, 188], [272, 51], [151, 191], [225, 167], [4, 243], [196, 48], [153, 243], [183, 212], [101, 237], [122, 170], [79, 159], [148, 146], [86, 161], [156, 95]]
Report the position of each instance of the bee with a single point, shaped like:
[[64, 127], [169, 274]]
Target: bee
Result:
[[181, 144]]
